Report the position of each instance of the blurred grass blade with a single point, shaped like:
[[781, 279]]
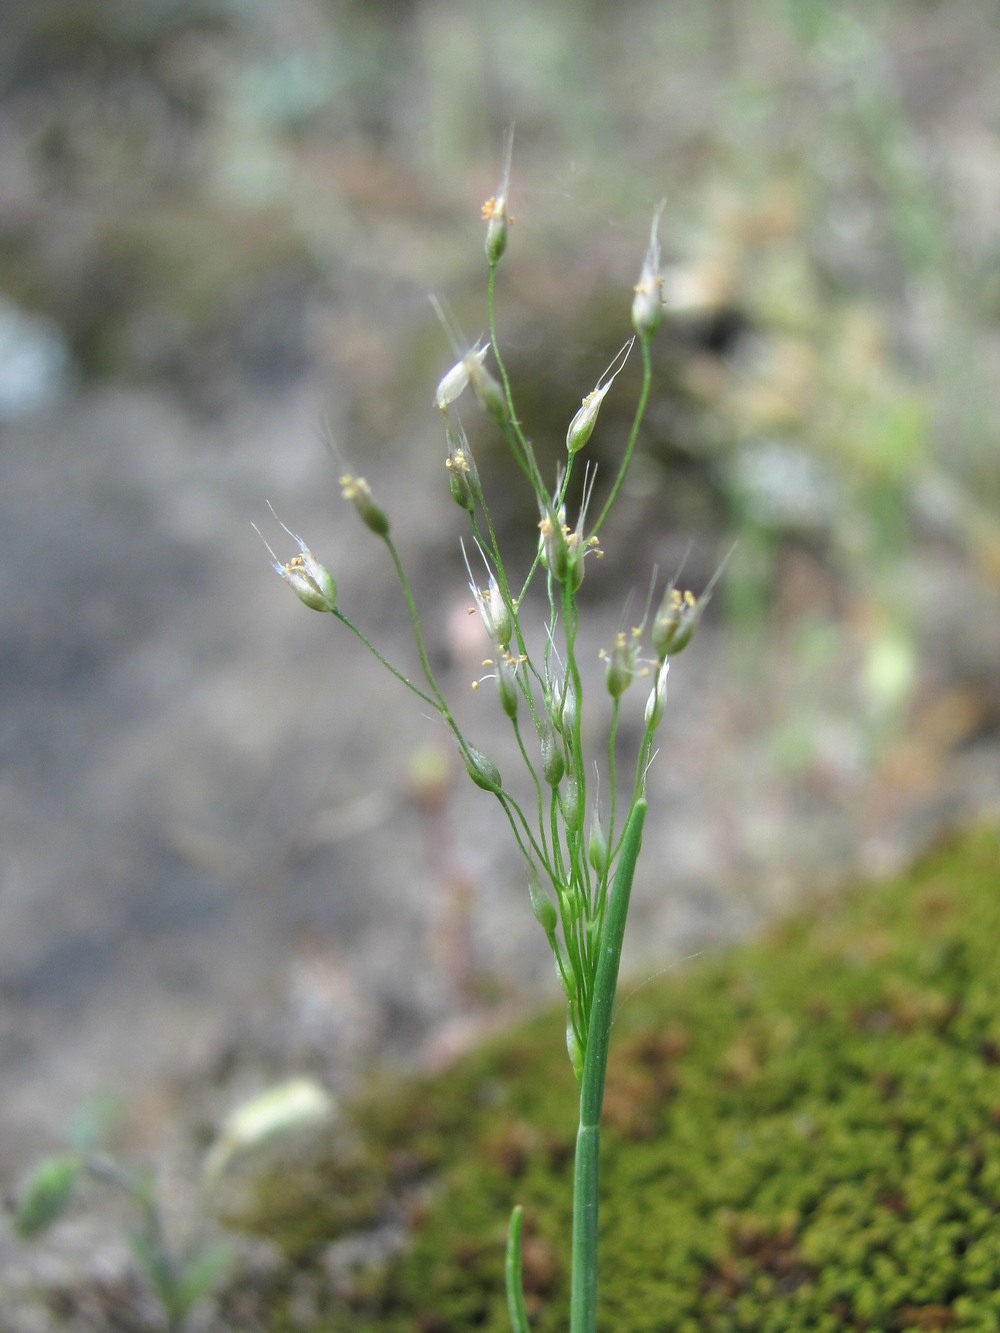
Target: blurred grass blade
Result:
[[515, 1289], [46, 1194]]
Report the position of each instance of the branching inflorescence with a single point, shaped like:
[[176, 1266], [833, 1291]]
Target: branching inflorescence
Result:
[[579, 855]]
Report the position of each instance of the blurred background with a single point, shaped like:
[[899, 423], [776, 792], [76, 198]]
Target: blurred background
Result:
[[232, 849]]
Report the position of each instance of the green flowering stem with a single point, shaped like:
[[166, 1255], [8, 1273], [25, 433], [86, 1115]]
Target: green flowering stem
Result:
[[539, 796], [384, 661], [510, 806], [517, 442], [515, 1287], [586, 1179], [583, 908], [418, 634], [613, 767], [640, 412]]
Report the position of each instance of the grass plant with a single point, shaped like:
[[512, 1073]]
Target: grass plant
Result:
[[579, 851]]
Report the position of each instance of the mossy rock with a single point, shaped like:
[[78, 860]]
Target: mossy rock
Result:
[[802, 1133]]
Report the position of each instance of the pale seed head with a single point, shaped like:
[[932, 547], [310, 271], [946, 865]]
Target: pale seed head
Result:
[[675, 622], [496, 213], [657, 701], [648, 300], [311, 582], [582, 426], [463, 475], [358, 493]]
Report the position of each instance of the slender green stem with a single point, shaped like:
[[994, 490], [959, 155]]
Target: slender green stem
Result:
[[586, 1180], [558, 864], [640, 412], [515, 1288], [418, 636], [565, 978], [530, 575], [517, 441], [570, 626], [539, 798], [583, 1297], [385, 662], [510, 806], [613, 769]]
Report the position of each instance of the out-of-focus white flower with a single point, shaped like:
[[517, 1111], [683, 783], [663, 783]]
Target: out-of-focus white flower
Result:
[[454, 383], [298, 1104]]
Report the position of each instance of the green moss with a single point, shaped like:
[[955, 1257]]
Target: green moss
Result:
[[803, 1133]]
